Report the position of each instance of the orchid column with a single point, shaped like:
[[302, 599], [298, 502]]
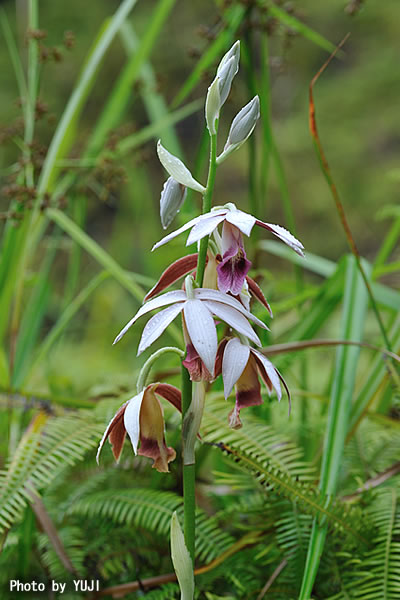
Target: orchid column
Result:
[[216, 285]]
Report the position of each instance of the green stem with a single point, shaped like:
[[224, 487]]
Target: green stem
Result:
[[189, 500], [201, 261]]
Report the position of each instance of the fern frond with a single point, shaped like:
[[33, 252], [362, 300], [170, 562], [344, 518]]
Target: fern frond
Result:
[[277, 464], [381, 565], [41, 454], [256, 437], [152, 510]]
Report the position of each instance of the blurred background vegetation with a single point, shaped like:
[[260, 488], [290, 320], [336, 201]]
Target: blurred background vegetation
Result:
[[113, 195]]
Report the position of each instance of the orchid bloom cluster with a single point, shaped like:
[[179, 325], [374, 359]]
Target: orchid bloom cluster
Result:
[[222, 301]]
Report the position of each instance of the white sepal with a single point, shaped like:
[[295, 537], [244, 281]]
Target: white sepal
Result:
[[172, 197], [241, 220], [132, 419], [177, 169], [285, 235], [217, 296], [234, 361], [202, 332], [167, 298], [157, 325], [233, 318], [181, 560], [271, 372]]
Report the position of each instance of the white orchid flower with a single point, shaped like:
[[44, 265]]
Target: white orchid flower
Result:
[[234, 267], [198, 306], [241, 367], [143, 420]]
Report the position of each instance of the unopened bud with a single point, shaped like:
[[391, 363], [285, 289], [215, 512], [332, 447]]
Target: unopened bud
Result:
[[242, 127], [213, 105], [221, 86], [172, 197], [181, 560], [175, 167]]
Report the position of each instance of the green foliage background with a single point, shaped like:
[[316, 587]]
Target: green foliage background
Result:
[[88, 267]]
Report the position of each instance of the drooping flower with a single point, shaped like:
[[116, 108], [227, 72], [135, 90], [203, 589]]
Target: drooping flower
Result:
[[234, 266], [241, 367], [198, 306], [142, 419]]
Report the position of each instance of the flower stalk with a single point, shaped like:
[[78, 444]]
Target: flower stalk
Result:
[[189, 501], [207, 198]]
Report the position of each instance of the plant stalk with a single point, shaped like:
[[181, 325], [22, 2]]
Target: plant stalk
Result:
[[189, 501], [201, 261]]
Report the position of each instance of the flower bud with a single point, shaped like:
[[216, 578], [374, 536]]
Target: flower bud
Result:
[[181, 560], [221, 86], [175, 167], [213, 105], [172, 197], [242, 127]]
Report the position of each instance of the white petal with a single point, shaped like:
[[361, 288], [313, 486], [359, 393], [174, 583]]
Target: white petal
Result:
[[202, 332], [184, 227], [241, 220], [233, 318], [234, 361], [157, 324], [177, 169], [167, 298], [131, 419], [203, 228], [217, 296], [285, 235], [271, 372]]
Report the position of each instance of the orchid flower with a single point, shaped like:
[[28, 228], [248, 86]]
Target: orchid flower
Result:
[[241, 367], [234, 266], [198, 307], [142, 418]]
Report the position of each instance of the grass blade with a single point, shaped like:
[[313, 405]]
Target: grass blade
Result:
[[355, 305]]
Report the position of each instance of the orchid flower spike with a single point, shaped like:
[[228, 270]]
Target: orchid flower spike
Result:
[[143, 419], [198, 306], [241, 367], [234, 267]]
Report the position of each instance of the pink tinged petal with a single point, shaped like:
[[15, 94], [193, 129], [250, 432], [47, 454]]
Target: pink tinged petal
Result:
[[115, 431], [204, 228], [187, 226], [234, 361], [248, 392], [195, 366], [170, 393], [168, 298], [241, 220], [233, 318], [132, 419], [202, 332], [152, 440], [216, 296], [175, 271], [257, 292], [283, 235], [268, 373], [157, 325], [220, 355]]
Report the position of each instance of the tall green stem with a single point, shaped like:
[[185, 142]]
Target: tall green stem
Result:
[[189, 501], [201, 261]]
